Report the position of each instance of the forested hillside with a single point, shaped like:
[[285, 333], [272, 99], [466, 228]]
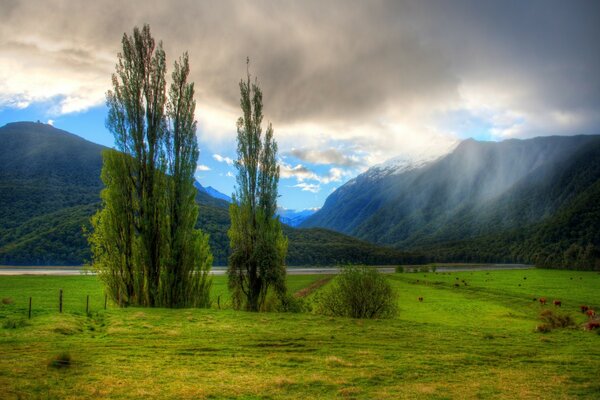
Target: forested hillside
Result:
[[50, 185], [515, 201]]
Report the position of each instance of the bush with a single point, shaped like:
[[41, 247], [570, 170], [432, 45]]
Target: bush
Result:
[[287, 303], [358, 292], [14, 323], [554, 320], [543, 328], [399, 269], [7, 300]]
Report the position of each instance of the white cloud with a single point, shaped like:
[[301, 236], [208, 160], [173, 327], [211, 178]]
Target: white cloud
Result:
[[229, 175], [51, 122], [303, 174], [202, 167], [308, 187], [220, 158]]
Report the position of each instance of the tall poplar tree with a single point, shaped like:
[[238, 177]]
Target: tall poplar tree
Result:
[[258, 246], [144, 245]]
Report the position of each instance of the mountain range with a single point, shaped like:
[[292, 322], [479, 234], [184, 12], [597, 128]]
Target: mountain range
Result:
[[534, 200], [50, 185], [289, 217]]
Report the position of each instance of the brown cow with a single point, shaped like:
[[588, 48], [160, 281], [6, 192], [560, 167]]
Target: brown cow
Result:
[[590, 313], [584, 308], [557, 303], [543, 301], [593, 325]]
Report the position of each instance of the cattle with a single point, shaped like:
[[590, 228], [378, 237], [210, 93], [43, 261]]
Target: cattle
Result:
[[543, 301], [584, 308], [593, 325], [590, 313], [557, 303]]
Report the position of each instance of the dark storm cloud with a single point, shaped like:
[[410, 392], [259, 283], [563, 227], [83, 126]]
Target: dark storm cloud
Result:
[[340, 61]]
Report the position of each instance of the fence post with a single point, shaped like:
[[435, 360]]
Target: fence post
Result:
[[60, 301], [105, 299], [30, 308], [87, 304], [219, 301]]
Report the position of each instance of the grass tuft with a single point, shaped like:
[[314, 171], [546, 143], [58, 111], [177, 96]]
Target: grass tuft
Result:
[[61, 360], [14, 323]]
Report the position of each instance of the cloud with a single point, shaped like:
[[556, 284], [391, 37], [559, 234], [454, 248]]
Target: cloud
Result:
[[370, 82], [302, 174], [308, 187], [51, 122], [328, 156], [202, 167], [220, 158]]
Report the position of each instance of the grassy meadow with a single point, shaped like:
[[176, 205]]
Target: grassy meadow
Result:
[[473, 341]]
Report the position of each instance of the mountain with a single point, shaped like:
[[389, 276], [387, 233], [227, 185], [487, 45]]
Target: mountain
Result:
[[211, 191], [293, 217], [515, 192], [50, 185]]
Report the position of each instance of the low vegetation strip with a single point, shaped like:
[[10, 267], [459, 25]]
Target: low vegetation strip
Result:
[[305, 292], [470, 342]]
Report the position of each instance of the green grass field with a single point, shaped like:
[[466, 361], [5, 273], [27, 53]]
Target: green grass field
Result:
[[475, 342]]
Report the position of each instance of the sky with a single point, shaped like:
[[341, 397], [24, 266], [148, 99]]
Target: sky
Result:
[[346, 84]]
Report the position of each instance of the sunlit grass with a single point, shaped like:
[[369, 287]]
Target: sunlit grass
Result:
[[474, 341]]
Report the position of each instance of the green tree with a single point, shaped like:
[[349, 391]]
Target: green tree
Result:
[[258, 246], [144, 245]]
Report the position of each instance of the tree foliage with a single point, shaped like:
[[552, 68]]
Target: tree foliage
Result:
[[258, 246], [358, 292], [144, 245]]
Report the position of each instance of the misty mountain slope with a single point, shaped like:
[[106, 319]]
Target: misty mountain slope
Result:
[[480, 187], [49, 189], [534, 198], [293, 218], [569, 238]]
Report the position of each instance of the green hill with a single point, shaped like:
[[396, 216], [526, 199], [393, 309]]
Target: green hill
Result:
[[49, 188]]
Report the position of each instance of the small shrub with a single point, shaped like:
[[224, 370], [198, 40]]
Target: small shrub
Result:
[[14, 323], [424, 268], [292, 304], [62, 360], [358, 292], [288, 303], [543, 328], [400, 269], [7, 300], [555, 320]]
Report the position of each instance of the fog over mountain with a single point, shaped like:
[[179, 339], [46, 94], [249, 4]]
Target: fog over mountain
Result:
[[480, 188]]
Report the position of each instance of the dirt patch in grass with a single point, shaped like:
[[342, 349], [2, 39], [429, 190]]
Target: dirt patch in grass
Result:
[[305, 292]]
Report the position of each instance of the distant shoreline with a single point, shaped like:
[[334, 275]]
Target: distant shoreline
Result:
[[7, 270]]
